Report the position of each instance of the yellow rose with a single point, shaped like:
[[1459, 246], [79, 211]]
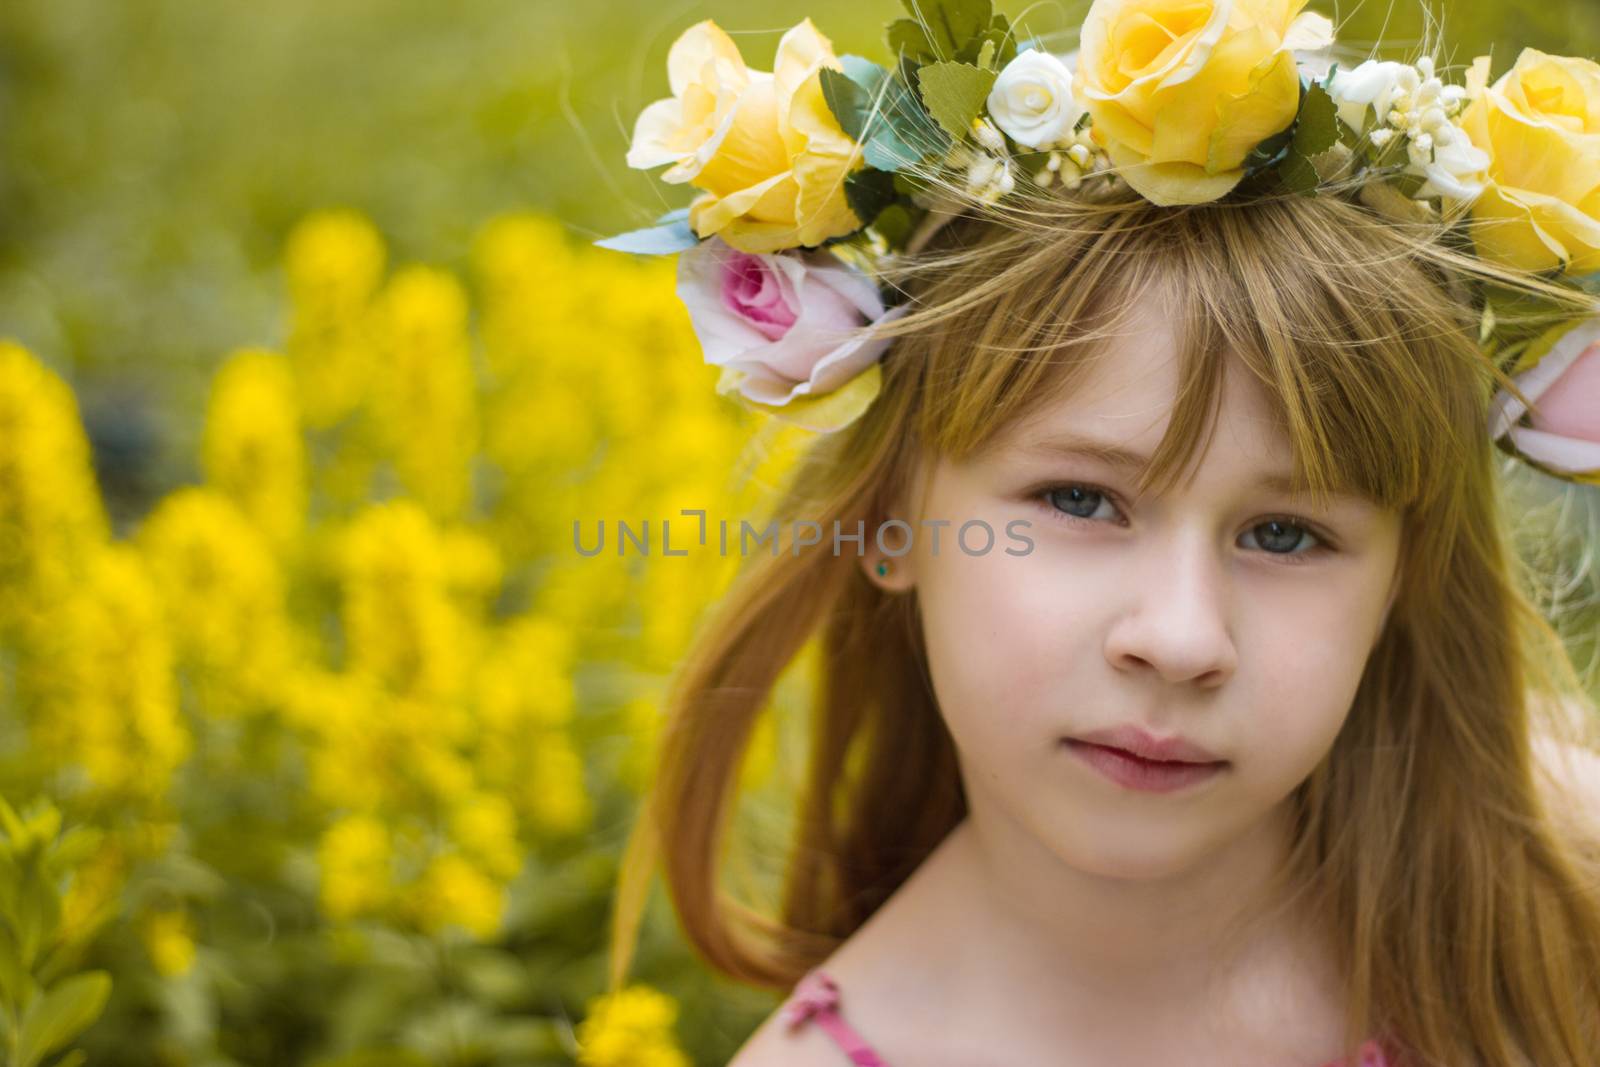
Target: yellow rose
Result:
[[766, 149], [1181, 91], [1540, 125]]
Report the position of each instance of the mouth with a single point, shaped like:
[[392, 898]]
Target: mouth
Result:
[[1144, 775], [1147, 746]]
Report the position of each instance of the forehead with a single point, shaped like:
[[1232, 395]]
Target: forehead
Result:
[[1119, 404]]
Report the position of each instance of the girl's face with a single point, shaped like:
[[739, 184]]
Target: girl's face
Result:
[[1189, 615]]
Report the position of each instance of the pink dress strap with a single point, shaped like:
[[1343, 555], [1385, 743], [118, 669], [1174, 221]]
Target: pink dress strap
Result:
[[816, 997]]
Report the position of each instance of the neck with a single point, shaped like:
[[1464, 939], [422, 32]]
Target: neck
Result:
[[1033, 921]]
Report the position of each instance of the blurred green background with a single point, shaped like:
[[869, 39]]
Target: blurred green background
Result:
[[312, 368]]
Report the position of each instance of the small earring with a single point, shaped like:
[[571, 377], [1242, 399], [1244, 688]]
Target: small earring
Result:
[[883, 568]]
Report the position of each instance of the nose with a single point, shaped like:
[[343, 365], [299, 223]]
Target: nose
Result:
[[1176, 624]]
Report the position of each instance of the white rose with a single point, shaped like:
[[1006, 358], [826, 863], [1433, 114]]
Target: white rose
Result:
[[1032, 100], [1373, 84]]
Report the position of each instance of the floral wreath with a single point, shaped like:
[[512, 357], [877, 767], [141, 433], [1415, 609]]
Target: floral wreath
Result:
[[813, 173]]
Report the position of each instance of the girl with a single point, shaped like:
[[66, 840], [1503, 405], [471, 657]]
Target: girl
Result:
[[1250, 747]]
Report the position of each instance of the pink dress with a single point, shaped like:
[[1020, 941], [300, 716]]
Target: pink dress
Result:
[[816, 998]]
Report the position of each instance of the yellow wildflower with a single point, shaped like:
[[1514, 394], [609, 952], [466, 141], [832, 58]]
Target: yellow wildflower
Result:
[[355, 858], [334, 261], [252, 450], [454, 892], [96, 677], [630, 1028], [485, 827], [168, 936], [225, 598], [51, 518]]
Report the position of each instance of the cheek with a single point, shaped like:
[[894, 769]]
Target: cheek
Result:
[[1302, 679], [1010, 639], [979, 631]]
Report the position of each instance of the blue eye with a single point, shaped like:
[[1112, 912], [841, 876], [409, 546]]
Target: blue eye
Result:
[[1278, 535], [1073, 498]]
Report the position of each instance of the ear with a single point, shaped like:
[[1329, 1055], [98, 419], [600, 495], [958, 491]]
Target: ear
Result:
[[897, 529], [892, 574]]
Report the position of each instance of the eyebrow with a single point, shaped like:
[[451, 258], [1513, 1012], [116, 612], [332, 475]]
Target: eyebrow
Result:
[[1117, 456]]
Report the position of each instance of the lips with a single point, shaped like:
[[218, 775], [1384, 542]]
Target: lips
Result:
[[1136, 742]]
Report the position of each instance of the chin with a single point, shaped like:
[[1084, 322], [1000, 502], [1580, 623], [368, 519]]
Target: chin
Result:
[[1150, 867], [1129, 857]]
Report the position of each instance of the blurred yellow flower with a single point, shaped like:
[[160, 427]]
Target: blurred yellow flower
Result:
[[425, 398], [334, 261], [525, 684], [455, 892], [96, 677], [555, 792], [1539, 124], [402, 627], [51, 518], [355, 859], [252, 449], [531, 289], [409, 662], [484, 827], [224, 596], [630, 1028], [168, 935]]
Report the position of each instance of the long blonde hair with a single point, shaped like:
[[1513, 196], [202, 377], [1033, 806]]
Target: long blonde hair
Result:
[[1468, 917]]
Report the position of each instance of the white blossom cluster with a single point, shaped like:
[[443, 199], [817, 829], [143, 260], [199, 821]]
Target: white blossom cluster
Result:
[[989, 175], [1072, 163], [1412, 102]]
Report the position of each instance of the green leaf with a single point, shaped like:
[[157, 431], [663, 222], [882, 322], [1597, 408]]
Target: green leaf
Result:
[[9, 822], [908, 184], [1268, 153], [872, 109], [1511, 355], [666, 240], [949, 24], [1349, 136], [850, 103], [1298, 173], [1589, 283], [894, 224], [15, 983], [898, 133], [869, 192], [998, 37], [1317, 128], [954, 94], [60, 1015], [1005, 40], [906, 38]]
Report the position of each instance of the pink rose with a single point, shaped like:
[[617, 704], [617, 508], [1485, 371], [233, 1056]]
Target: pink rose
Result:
[[782, 325], [1564, 386]]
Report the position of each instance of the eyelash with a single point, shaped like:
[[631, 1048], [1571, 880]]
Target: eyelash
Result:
[[1041, 497]]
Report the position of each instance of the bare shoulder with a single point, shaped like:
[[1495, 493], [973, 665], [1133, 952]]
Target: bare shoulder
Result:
[[774, 1044], [1571, 779]]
